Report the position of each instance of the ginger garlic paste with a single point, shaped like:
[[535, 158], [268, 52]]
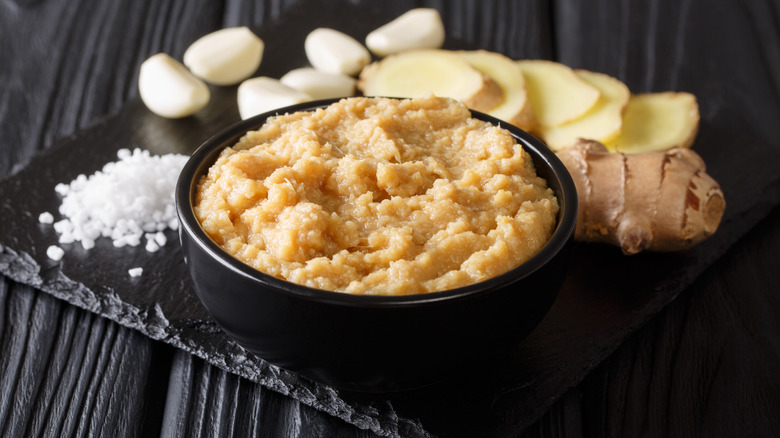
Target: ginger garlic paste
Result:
[[378, 196]]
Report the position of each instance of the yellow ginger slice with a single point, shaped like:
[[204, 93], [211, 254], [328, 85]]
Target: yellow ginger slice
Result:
[[418, 73], [657, 122], [602, 122], [557, 94], [515, 107]]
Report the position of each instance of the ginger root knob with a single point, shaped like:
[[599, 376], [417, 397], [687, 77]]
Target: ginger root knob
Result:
[[656, 201]]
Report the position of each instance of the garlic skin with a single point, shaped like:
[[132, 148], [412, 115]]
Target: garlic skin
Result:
[[226, 56], [169, 89]]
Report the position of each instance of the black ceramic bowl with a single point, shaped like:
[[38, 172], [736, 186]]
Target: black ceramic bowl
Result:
[[372, 343]]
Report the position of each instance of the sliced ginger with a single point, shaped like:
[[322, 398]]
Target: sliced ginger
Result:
[[557, 94], [602, 122], [657, 122], [654, 201], [417, 73], [515, 107]]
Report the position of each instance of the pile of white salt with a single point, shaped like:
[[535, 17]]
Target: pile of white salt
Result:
[[128, 200]]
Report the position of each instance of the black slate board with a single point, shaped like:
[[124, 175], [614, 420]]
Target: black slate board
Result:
[[606, 296]]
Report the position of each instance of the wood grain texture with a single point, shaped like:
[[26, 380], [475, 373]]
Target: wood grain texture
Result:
[[67, 372], [669, 380], [206, 401], [705, 366]]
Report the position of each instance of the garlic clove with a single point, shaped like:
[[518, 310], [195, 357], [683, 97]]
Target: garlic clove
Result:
[[319, 84], [419, 28], [168, 89], [226, 56], [331, 51], [261, 94]]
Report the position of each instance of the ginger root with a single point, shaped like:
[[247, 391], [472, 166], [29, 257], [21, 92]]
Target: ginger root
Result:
[[655, 201]]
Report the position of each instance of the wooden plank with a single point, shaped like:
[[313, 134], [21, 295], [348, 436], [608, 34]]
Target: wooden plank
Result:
[[707, 366], [206, 401], [65, 371]]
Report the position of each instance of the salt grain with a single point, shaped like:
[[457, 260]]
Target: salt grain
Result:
[[155, 240], [160, 238], [135, 272], [55, 253], [123, 201], [152, 246], [46, 218]]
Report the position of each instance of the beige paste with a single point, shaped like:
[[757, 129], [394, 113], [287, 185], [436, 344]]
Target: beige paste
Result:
[[378, 196]]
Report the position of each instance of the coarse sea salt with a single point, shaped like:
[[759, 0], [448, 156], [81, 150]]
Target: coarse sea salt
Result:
[[125, 201], [55, 253], [46, 218], [135, 272]]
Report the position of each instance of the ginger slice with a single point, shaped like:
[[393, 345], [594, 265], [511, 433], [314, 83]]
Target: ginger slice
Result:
[[602, 122], [654, 201], [657, 122], [557, 94], [418, 73], [515, 108]]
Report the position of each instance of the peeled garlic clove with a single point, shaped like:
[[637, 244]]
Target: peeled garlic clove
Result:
[[318, 84], [331, 51], [225, 57], [261, 94], [168, 89], [419, 28]]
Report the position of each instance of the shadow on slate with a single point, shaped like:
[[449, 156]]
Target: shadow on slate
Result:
[[605, 297]]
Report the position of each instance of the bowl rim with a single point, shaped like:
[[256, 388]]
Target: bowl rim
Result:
[[205, 155]]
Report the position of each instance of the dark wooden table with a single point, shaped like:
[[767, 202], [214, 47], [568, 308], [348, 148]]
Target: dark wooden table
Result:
[[708, 364]]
